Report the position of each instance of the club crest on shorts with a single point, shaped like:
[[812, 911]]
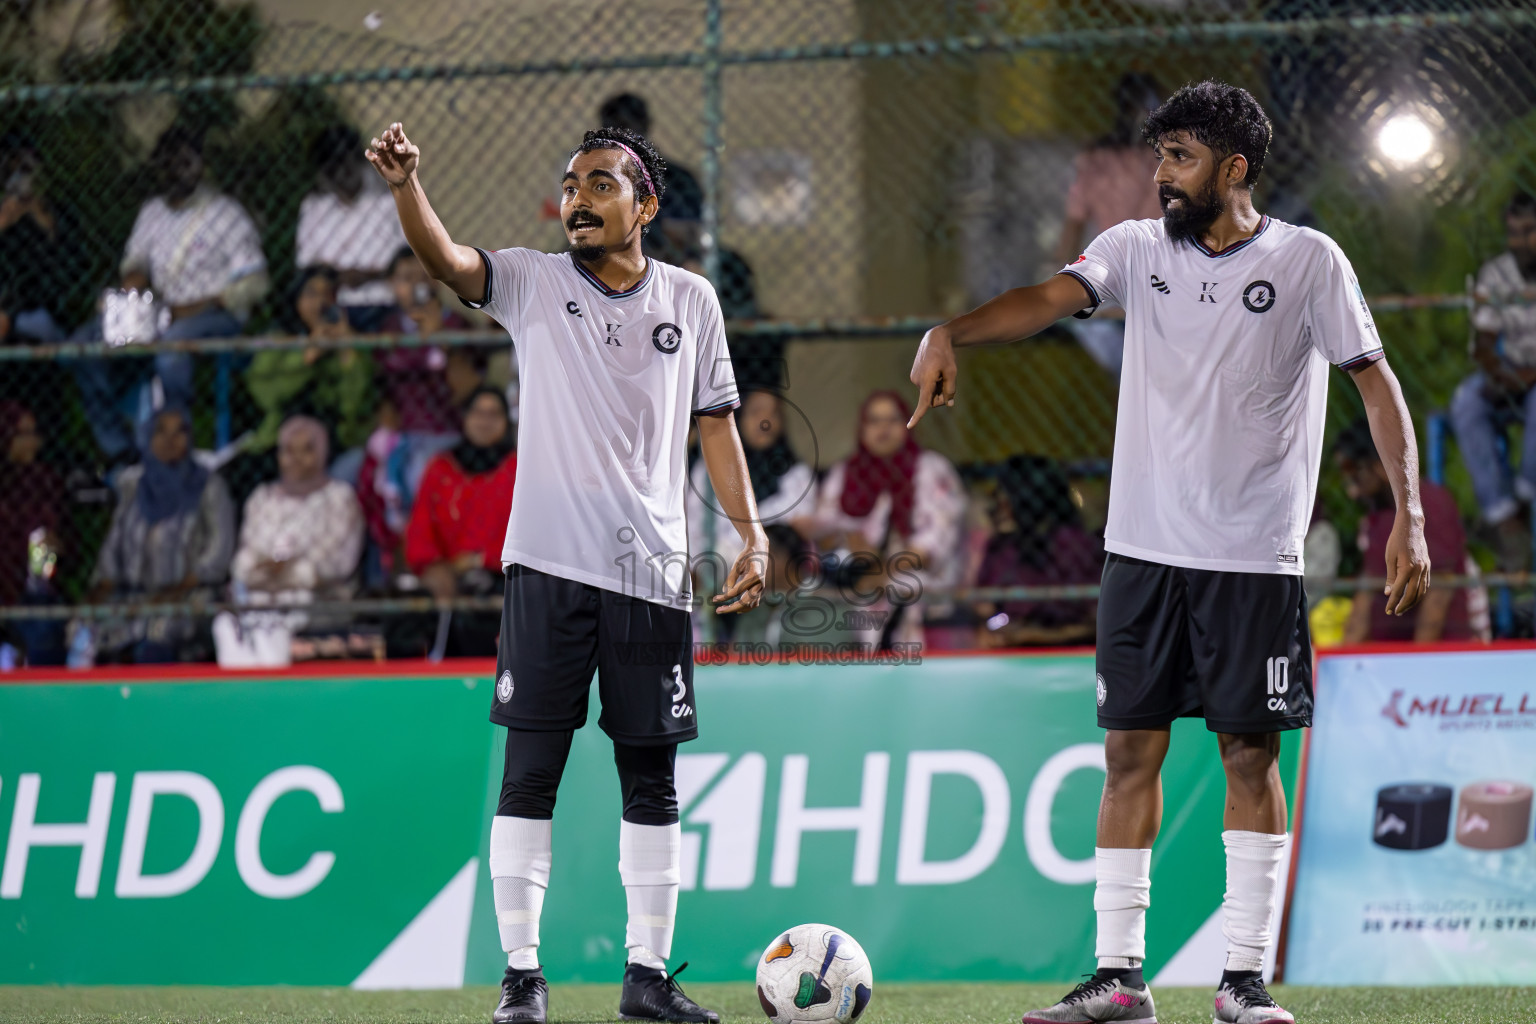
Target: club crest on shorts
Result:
[[1099, 687], [504, 686]]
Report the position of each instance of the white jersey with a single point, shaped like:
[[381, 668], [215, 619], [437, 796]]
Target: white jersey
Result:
[[608, 385], [1219, 433]]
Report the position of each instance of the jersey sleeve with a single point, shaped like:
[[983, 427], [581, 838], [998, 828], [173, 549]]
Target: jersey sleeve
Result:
[[1337, 314], [1101, 269], [508, 282], [714, 379]]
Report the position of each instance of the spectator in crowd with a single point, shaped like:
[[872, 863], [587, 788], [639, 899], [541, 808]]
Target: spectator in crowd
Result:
[[426, 384], [31, 496], [1446, 613], [894, 509], [302, 534], [200, 253], [348, 222], [1112, 182], [785, 488], [793, 577], [381, 493], [335, 385], [679, 218], [171, 538], [1503, 391], [460, 515], [37, 256], [454, 540], [1038, 540]]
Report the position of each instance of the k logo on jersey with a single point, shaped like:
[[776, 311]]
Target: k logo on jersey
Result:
[[504, 686], [666, 338], [1259, 296]]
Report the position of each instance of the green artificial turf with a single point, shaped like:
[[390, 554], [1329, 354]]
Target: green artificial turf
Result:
[[588, 1004]]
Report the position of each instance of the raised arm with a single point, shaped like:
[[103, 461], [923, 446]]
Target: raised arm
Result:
[[460, 267], [727, 464], [1392, 430], [1011, 316]]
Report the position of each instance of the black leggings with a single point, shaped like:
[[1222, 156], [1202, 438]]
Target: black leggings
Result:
[[536, 761]]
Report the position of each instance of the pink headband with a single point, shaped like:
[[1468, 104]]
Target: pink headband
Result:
[[638, 163]]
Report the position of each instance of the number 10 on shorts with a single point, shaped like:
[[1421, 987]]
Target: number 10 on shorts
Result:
[[1278, 674]]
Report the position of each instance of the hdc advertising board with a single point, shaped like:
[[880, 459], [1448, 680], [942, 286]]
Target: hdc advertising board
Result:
[[333, 830]]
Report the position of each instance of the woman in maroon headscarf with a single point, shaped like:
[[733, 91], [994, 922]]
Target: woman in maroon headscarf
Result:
[[31, 495], [898, 503]]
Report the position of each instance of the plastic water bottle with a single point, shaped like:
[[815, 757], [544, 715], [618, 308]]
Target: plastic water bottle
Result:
[[82, 647]]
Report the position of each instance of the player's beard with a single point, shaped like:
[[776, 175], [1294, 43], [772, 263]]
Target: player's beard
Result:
[[1195, 215], [585, 253]]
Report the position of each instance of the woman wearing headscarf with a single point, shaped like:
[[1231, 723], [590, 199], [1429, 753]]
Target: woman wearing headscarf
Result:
[[31, 495], [897, 507], [303, 533], [172, 535], [785, 488], [460, 517]]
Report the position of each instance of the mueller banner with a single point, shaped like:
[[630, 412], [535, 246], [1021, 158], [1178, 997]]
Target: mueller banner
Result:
[[333, 830], [1417, 863]]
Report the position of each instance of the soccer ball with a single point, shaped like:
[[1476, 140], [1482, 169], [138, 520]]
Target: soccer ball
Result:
[[814, 972]]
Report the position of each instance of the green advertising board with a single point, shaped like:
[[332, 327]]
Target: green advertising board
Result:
[[333, 830]]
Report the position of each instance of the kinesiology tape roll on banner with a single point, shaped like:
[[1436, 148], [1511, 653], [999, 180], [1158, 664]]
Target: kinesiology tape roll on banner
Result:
[[1412, 816], [1493, 815]]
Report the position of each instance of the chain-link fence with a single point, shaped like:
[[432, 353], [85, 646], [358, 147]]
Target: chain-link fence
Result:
[[846, 171]]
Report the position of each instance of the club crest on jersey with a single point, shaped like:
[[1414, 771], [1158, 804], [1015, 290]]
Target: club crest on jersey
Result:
[[1102, 690], [667, 338], [1259, 296], [504, 686]]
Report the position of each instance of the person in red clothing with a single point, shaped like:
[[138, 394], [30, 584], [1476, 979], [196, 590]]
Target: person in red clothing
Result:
[[1446, 613], [454, 538]]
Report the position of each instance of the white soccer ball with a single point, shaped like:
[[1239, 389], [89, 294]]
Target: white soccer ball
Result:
[[814, 972]]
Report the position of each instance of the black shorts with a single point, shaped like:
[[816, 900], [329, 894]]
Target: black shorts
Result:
[[1229, 647], [555, 632]]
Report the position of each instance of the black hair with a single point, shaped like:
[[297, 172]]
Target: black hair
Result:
[[334, 143], [1135, 94], [625, 110], [288, 314], [177, 136], [1521, 204], [1356, 444], [405, 252], [1224, 117], [621, 139], [496, 393]]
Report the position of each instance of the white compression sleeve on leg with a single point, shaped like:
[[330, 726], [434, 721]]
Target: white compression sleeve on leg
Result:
[[1253, 866], [1121, 896], [650, 865], [520, 855]]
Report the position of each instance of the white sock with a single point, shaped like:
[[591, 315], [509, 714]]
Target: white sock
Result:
[[1121, 896], [650, 865], [1253, 866], [520, 855]]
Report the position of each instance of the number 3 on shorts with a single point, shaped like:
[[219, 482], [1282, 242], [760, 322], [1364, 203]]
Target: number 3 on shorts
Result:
[[679, 709]]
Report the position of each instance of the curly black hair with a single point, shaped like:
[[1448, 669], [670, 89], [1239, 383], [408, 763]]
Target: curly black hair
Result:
[[1224, 117], [638, 145]]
